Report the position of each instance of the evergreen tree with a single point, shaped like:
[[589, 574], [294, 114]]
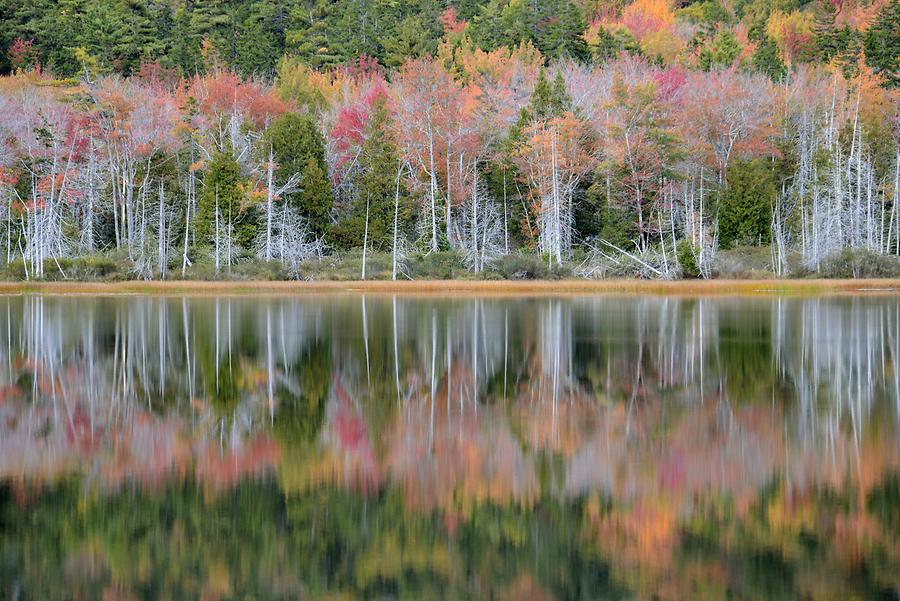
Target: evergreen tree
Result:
[[299, 148], [213, 32], [548, 99], [223, 187], [185, 48], [376, 183], [309, 35], [554, 27], [610, 43], [487, 28], [259, 43], [720, 53], [840, 45], [55, 25], [559, 31], [767, 59], [882, 44], [410, 39], [745, 214]]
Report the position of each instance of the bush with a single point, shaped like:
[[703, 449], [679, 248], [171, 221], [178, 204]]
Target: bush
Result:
[[347, 266], [87, 268], [444, 265], [517, 266], [744, 262], [687, 260], [859, 263], [204, 269]]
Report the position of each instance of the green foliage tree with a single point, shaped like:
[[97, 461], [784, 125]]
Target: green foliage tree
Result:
[[882, 44], [375, 188], [745, 214], [554, 27], [721, 52], [767, 59], [299, 148], [260, 38], [612, 42], [223, 187], [328, 34], [548, 100]]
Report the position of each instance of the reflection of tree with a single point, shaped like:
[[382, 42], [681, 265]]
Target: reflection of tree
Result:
[[541, 448], [745, 353], [301, 404]]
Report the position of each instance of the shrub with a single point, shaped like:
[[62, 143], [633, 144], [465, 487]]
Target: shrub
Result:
[[204, 269], [444, 265], [744, 262], [347, 266], [859, 263], [87, 268], [517, 266], [687, 259]]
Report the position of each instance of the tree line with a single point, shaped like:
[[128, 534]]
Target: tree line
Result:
[[639, 139]]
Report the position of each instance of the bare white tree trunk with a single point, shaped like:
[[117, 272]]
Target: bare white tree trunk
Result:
[[218, 237], [270, 197], [396, 220], [161, 232], [365, 240]]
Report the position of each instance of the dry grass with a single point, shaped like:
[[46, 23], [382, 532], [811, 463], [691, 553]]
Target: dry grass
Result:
[[461, 287]]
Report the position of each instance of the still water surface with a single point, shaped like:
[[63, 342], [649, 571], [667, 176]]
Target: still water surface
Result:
[[349, 447]]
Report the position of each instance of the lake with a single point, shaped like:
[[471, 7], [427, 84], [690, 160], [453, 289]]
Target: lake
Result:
[[379, 447]]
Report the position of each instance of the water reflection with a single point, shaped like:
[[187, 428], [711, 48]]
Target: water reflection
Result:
[[391, 447]]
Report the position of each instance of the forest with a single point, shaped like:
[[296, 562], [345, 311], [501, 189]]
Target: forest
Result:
[[433, 139]]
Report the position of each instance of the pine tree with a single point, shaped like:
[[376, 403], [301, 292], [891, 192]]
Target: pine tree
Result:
[[223, 187], [300, 149], [258, 45], [558, 31], [213, 30], [745, 214], [375, 188], [185, 49], [309, 34], [721, 53], [610, 43], [548, 100], [882, 44], [767, 59]]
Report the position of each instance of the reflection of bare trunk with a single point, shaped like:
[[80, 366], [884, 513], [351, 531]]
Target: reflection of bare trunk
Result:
[[396, 353], [270, 367], [365, 325], [823, 374]]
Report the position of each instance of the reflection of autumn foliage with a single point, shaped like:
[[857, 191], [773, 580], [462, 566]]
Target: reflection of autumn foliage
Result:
[[682, 482], [224, 468], [454, 459], [349, 438]]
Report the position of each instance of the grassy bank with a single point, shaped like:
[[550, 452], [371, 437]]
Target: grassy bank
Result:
[[463, 287]]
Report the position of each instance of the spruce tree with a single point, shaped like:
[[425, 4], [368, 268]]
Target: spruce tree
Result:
[[299, 148], [375, 188], [882, 44], [258, 45], [223, 187], [745, 214], [721, 53], [767, 59]]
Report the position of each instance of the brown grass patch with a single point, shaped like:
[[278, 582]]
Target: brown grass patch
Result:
[[462, 287]]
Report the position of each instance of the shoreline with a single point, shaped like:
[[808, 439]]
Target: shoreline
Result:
[[626, 287]]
